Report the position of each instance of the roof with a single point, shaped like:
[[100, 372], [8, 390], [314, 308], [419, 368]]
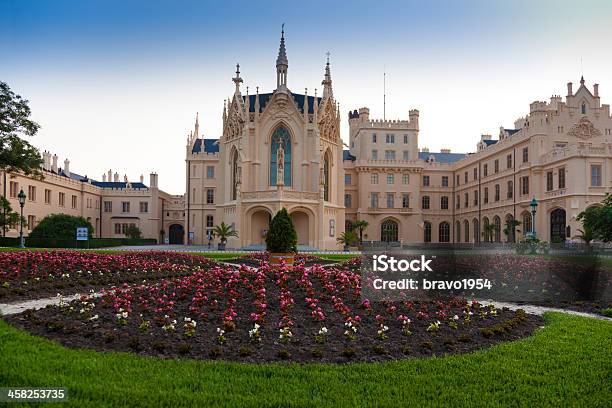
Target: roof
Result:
[[442, 157], [511, 131], [210, 146], [489, 142], [265, 98], [346, 155], [117, 184]]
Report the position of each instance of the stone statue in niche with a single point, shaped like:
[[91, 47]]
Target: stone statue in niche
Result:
[[280, 162]]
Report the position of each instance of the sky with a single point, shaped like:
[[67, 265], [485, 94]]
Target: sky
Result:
[[117, 84]]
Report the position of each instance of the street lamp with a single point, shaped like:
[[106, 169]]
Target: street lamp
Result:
[[534, 206], [22, 197]]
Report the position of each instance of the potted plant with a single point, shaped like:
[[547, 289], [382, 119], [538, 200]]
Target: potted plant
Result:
[[347, 239], [281, 239], [223, 232]]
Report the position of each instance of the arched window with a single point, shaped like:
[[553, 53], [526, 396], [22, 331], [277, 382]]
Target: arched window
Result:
[[526, 223], [326, 171], [497, 232], [485, 230], [234, 173], [427, 231], [476, 228], [444, 232], [466, 230], [389, 231], [583, 108], [458, 231], [281, 133]]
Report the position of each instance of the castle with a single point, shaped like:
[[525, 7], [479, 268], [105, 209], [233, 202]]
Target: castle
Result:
[[283, 149]]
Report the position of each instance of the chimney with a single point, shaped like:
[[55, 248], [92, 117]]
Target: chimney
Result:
[[141, 178], [54, 165], [569, 89], [67, 167], [110, 175], [46, 160], [485, 137], [153, 180], [445, 150], [596, 90], [103, 177], [116, 177]]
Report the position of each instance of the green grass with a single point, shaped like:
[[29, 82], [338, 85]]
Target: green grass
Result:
[[566, 364]]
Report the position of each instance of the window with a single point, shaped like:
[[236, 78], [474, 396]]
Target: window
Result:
[[405, 200], [326, 175], [510, 191], [466, 199], [561, 179], [596, 175], [444, 232], [524, 185], [374, 154], [457, 180], [144, 207], [444, 203], [486, 195], [549, 180], [14, 189], [117, 228], [125, 206], [74, 201], [209, 221], [496, 165], [31, 222], [583, 109], [347, 179], [425, 203], [390, 200], [475, 198], [405, 179], [373, 137], [509, 161], [390, 138], [475, 173], [525, 154], [406, 155], [526, 223], [485, 169], [347, 201], [374, 178], [427, 231], [108, 206], [47, 196], [31, 193], [210, 172], [390, 178], [426, 181], [280, 139], [389, 154], [61, 199], [465, 177], [405, 139], [444, 181], [497, 192], [458, 202], [374, 200], [210, 196]]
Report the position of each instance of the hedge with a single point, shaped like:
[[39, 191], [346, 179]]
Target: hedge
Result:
[[71, 243]]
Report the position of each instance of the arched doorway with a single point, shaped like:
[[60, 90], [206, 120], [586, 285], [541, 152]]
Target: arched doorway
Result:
[[444, 232], [466, 230], [260, 223], [176, 234], [557, 225], [302, 226], [476, 230], [389, 231], [427, 231], [497, 230]]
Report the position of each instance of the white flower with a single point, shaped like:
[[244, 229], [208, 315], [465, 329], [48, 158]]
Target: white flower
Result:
[[93, 318], [455, 317]]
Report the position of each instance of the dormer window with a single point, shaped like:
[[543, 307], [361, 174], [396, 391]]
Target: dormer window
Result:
[[583, 108]]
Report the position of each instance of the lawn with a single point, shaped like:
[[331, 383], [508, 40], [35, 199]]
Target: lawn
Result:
[[567, 363]]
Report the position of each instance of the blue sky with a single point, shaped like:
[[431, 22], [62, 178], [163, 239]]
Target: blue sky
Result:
[[116, 84]]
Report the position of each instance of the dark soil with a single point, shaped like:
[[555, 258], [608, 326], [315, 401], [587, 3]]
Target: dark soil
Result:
[[256, 263]]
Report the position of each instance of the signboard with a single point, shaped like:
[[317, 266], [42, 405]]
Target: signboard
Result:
[[82, 234]]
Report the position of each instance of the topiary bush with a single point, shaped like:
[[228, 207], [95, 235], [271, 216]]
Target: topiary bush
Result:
[[60, 226], [281, 236]]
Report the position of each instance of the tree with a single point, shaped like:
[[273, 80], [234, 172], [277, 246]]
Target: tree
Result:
[[133, 232], [224, 231], [8, 217], [16, 154], [360, 225], [510, 229], [489, 231], [60, 226], [347, 238], [281, 237], [586, 235], [598, 220]]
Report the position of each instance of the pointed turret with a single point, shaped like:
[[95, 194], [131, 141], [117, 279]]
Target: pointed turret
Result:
[[196, 131], [306, 105], [327, 82], [237, 80], [282, 63]]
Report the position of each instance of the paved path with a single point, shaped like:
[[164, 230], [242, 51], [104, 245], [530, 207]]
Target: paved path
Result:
[[540, 310]]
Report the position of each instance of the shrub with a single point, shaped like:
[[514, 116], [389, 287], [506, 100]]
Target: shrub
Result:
[[133, 232], [282, 236], [607, 312], [60, 226]]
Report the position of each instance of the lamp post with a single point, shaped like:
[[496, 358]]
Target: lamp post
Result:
[[22, 198], [534, 206]]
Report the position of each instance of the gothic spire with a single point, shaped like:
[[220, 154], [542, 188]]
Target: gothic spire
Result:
[[282, 63], [237, 80], [327, 82], [197, 126]]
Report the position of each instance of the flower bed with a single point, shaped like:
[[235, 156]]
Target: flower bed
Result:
[[297, 313], [36, 274], [256, 259]]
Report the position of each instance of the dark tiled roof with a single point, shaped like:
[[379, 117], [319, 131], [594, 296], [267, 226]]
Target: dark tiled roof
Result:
[[511, 131], [442, 157], [346, 155], [489, 142], [210, 146], [117, 184], [265, 98]]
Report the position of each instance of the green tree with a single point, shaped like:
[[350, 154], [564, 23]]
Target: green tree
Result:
[[133, 232], [16, 154], [489, 232], [347, 238], [60, 226], [360, 225], [281, 237], [224, 231], [598, 220], [510, 229], [8, 217]]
